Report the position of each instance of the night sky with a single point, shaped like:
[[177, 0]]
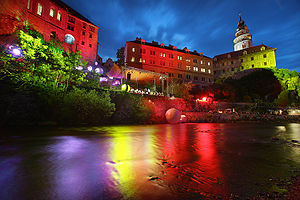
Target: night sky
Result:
[[207, 26]]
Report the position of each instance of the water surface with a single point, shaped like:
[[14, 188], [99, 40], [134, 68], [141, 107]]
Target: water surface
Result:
[[183, 161]]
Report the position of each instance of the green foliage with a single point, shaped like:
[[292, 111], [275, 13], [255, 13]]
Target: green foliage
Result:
[[181, 90], [44, 67], [255, 87], [83, 106], [130, 108]]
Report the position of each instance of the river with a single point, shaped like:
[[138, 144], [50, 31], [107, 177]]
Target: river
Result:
[[181, 161]]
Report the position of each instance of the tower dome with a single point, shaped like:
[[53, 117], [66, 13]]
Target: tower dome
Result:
[[243, 39]]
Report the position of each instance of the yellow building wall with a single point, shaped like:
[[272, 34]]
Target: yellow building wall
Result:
[[259, 61]]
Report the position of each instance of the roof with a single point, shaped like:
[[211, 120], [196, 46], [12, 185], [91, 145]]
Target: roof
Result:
[[170, 47], [236, 54], [72, 11]]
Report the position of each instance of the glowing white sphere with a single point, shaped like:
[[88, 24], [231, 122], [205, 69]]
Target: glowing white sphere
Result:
[[90, 68]]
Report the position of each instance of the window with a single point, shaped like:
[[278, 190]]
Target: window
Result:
[[265, 55], [265, 63], [222, 64], [143, 51], [28, 4], [232, 69], [40, 9], [196, 69], [179, 75], [188, 60], [252, 66], [171, 75], [207, 63], [141, 60], [152, 53], [92, 29], [82, 42], [203, 78], [188, 67], [202, 70], [209, 71], [162, 63], [84, 25], [188, 76], [252, 58], [170, 55], [71, 20], [83, 32], [179, 57], [179, 65], [70, 27], [242, 60], [128, 76], [132, 59], [144, 60], [91, 36], [133, 49], [162, 55], [59, 16], [195, 78], [90, 45], [52, 12], [201, 62], [232, 62], [195, 61], [53, 35]]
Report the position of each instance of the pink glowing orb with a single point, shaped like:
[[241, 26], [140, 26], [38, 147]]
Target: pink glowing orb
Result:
[[173, 116]]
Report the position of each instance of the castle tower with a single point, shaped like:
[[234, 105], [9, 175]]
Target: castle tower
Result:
[[242, 39]]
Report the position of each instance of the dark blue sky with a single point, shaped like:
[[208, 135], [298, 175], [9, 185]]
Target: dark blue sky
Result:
[[207, 26]]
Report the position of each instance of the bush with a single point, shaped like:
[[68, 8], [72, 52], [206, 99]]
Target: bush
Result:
[[91, 107]]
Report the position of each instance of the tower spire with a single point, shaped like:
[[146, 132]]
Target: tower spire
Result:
[[242, 39]]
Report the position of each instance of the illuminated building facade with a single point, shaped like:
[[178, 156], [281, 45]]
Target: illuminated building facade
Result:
[[244, 56], [179, 65], [55, 20]]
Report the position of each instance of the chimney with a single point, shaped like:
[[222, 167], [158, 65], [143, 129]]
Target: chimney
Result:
[[174, 47], [186, 49], [162, 45], [201, 53]]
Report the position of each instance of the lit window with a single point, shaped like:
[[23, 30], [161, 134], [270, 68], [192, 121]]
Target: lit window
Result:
[[144, 60], [40, 9], [161, 54], [28, 4], [209, 71], [133, 49], [188, 67], [202, 70], [141, 60], [53, 35], [188, 60], [164, 55], [59, 16], [196, 69], [208, 63], [201, 62], [132, 59], [52, 12], [180, 58]]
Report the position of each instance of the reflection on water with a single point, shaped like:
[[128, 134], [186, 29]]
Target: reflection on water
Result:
[[187, 161]]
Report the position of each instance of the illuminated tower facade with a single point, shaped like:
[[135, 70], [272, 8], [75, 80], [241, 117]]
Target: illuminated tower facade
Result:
[[242, 39]]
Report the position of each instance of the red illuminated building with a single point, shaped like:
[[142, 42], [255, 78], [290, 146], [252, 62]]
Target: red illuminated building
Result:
[[179, 64], [55, 20]]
